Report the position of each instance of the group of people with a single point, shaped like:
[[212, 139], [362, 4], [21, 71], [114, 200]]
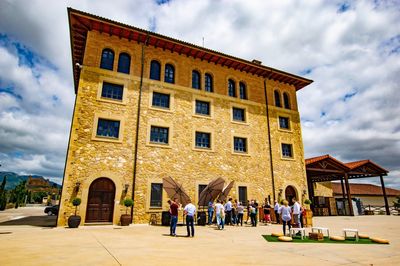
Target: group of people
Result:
[[189, 211], [232, 212], [286, 212]]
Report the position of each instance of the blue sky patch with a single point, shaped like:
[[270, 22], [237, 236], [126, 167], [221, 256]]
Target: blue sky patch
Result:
[[161, 2], [348, 96], [153, 24], [306, 71], [343, 7], [9, 90]]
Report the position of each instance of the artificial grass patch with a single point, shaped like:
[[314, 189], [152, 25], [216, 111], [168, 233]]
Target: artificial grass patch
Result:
[[297, 239]]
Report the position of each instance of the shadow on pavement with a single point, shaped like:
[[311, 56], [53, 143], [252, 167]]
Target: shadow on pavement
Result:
[[40, 221]]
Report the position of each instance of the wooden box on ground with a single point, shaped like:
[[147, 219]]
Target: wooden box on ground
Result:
[[316, 236]]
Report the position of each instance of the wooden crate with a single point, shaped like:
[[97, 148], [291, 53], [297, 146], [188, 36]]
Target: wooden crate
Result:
[[316, 236], [331, 204]]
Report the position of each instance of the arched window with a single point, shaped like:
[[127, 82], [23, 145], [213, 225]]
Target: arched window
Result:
[[107, 59], [242, 91], [231, 88], [208, 83], [155, 70], [124, 63], [169, 73], [195, 80], [286, 101], [277, 97]]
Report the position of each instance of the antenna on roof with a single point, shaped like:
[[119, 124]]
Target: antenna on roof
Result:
[[203, 42]]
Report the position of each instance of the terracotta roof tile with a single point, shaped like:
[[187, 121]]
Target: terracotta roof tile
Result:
[[365, 189]]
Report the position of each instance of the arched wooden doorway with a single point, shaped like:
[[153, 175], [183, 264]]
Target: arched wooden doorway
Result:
[[290, 193], [100, 206]]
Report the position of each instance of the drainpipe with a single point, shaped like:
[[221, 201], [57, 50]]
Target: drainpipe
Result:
[[137, 125], [269, 140]]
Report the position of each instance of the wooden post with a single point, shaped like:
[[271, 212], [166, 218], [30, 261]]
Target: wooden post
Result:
[[346, 180], [385, 196], [344, 196]]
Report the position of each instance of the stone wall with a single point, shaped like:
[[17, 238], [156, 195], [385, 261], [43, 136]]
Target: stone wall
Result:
[[90, 157]]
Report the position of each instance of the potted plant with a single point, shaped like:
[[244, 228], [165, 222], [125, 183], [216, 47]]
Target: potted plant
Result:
[[75, 220], [126, 218], [307, 203]]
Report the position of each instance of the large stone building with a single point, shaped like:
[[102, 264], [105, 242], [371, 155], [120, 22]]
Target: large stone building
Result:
[[149, 106]]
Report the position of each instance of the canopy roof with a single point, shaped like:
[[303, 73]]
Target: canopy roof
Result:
[[327, 168], [81, 22]]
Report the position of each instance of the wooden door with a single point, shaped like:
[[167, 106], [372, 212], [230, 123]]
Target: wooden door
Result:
[[100, 206], [290, 193]]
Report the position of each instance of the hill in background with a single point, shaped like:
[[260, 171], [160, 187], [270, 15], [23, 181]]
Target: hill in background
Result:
[[14, 179]]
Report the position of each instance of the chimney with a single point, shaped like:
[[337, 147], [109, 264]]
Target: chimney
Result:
[[255, 61]]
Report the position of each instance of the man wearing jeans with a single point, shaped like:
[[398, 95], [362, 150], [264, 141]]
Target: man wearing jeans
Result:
[[173, 209], [228, 209], [210, 212], [190, 211], [219, 208], [296, 213]]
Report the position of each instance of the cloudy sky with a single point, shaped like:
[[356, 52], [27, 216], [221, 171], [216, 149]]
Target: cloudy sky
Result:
[[351, 49]]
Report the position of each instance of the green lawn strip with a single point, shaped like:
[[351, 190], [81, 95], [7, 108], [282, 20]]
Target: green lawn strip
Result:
[[297, 239]]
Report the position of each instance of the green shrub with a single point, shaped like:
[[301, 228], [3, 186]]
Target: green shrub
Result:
[[76, 202], [128, 203], [307, 201]]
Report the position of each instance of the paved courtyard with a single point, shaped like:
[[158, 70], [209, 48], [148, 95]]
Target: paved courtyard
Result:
[[151, 245]]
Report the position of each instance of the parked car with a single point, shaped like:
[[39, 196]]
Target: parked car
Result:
[[52, 210]]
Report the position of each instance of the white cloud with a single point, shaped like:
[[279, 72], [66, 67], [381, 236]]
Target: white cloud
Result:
[[350, 111]]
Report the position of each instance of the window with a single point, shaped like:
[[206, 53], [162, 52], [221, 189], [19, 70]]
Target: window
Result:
[[277, 97], [124, 63], [155, 70], [169, 74], [242, 91], [203, 140], [243, 195], [238, 114], [108, 128], [195, 80], [107, 59], [201, 188], [286, 101], [208, 83], [284, 122], [156, 195], [231, 88], [287, 150], [112, 91], [202, 108], [160, 100], [159, 135], [240, 144]]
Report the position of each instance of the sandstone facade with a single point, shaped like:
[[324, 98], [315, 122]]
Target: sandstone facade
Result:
[[90, 157]]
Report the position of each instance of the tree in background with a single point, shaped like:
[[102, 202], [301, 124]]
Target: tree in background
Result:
[[18, 194], [3, 197], [397, 202]]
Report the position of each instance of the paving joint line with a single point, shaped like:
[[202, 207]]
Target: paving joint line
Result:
[[98, 241]]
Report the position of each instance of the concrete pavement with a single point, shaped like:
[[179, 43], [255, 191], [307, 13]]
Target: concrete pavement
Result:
[[151, 245]]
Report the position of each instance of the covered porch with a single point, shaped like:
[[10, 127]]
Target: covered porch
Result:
[[326, 168]]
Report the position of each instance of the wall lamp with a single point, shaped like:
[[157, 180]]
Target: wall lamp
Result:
[[77, 185], [126, 188], [304, 192], [280, 191]]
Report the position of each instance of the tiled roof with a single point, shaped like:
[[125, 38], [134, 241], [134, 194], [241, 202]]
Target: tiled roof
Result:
[[365, 189], [316, 159], [356, 164]]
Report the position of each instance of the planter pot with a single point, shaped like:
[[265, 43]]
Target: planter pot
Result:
[[74, 221], [125, 219]]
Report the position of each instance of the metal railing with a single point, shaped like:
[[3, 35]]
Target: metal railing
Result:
[[379, 210]]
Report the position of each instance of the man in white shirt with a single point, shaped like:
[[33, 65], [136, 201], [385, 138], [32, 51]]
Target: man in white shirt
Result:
[[218, 208], [296, 213], [190, 211], [276, 210], [228, 209]]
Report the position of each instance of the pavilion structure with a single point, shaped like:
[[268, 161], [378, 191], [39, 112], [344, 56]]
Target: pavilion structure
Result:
[[326, 168]]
